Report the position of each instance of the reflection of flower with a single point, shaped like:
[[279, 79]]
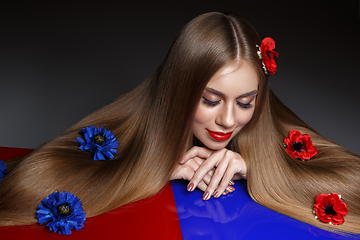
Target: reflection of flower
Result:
[[62, 211], [98, 141], [267, 54], [2, 169], [330, 208], [300, 146]]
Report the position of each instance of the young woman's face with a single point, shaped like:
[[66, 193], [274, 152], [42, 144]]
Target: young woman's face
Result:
[[227, 104]]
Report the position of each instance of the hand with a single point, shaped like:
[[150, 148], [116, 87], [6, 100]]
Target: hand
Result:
[[187, 170], [224, 164]]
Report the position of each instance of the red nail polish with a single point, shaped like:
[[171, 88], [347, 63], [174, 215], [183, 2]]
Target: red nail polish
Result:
[[230, 189], [206, 195], [216, 194], [190, 187], [232, 182]]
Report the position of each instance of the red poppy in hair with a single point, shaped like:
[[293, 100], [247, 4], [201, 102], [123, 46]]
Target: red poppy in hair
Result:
[[267, 51], [299, 146], [330, 208]]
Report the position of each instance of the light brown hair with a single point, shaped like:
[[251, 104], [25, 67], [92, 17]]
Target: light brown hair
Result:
[[153, 125]]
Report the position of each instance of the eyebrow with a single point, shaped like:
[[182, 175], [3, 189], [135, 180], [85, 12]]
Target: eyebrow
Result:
[[253, 92]]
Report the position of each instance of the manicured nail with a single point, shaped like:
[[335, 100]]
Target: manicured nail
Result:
[[232, 182], [230, 188], [216, 194], [206, 195], [190, 187]]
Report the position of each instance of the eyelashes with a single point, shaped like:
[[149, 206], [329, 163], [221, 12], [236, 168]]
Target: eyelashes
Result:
[[243, 105], [214, 103], [211, 103]]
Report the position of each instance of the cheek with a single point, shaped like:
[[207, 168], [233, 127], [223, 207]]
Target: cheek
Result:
[[244, 117], [203, 115]]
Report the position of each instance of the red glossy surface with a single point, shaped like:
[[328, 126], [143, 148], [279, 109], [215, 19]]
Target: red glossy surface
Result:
[[152, 218], [9, 153]]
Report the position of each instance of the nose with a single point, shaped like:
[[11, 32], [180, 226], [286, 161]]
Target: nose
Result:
[[226, 117]]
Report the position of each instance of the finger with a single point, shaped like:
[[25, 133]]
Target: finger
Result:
[[221, 178], [207, 166], [204, 183], [188, 170], [194, 165], [207, 177], [224, 187], [202, 186], [231, 164], [227, 190], [200, 161], [200, 152]]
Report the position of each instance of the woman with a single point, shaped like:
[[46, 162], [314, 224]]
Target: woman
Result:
[[206, 115]]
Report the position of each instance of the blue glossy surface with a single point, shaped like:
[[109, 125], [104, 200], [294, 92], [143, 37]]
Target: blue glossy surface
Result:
[[237, 216]]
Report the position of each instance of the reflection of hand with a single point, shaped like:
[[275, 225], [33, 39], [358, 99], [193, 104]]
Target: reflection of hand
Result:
[[213, 209], [222, 166]]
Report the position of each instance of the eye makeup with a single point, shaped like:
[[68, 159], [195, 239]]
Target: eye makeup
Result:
[[210, 103], [246, 105], [214, 103], [243, 105]]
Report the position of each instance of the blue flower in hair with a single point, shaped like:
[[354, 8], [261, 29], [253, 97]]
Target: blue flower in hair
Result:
[[2, 169], [62, 211], [99, 141]]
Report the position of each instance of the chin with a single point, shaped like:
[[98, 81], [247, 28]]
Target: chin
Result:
[[217, 145]]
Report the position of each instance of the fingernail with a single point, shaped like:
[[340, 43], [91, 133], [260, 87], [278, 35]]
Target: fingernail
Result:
[[230, 188], [232, 182], [216, 194], [190, 187], [206, 195]]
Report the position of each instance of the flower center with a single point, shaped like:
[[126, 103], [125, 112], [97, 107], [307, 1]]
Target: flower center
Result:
[[99, 140], [64, 209], [329, 210], [297, 146]]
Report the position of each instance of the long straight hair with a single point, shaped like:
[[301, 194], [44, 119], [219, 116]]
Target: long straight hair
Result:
[[153, 125]]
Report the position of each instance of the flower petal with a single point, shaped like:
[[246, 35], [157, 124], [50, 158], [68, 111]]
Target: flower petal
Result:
[[295, 136], [267, 54], [98, 156], [56, 221], [337, 210], [88, 143], [299, 146]]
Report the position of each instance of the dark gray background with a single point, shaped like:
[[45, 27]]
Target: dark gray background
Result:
[[60, 62]]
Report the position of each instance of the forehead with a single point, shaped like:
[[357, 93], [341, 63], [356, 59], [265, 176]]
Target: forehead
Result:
[[235, 78]]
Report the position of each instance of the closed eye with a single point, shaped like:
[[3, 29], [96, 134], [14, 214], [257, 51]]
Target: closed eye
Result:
[[211, 103], [244, 105], [248, 104]]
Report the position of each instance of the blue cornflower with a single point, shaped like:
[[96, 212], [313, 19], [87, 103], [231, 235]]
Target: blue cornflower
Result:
[[99, 141], [2, 169], [62, 211]]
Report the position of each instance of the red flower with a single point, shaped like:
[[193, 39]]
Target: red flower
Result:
[[300, 146], [330, 208], [267, 46]]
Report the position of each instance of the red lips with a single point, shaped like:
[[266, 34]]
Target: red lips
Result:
[[219, 136]]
